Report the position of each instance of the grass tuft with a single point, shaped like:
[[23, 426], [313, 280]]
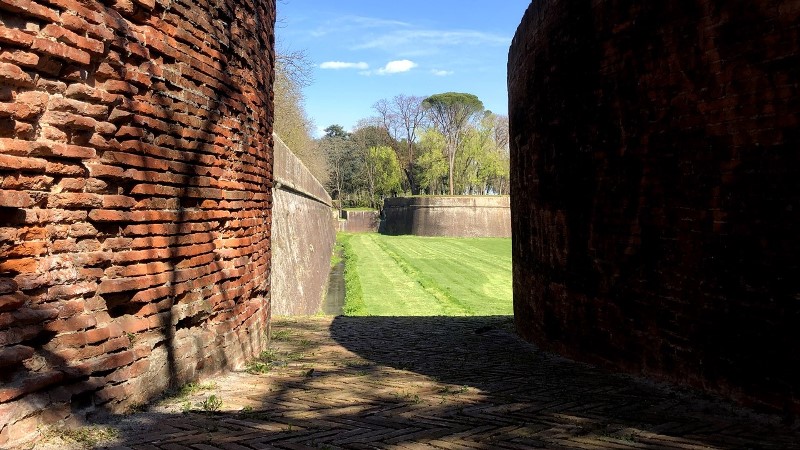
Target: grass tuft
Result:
[[85, 437]]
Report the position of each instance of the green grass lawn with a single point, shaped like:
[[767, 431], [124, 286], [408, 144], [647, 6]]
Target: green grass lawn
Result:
[[426, 276]]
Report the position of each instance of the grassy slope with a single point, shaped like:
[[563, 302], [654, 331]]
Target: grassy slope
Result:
[[414, 276]]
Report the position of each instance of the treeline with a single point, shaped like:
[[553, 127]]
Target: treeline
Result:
[[441, 144]]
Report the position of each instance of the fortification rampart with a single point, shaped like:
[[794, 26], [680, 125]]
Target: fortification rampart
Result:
[[655, 189], [351, 221], [303, 235], [447, 216], [135, 196]]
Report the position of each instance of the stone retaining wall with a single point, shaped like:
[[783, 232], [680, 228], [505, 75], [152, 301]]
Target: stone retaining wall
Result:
[[359, 221], [656, 196], [303, 236], [135, 197], [447, 216]]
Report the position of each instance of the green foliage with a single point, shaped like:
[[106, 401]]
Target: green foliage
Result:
[[190, 389], [401, 118], [354, 297], [460, 105], [432, 162], [291, 123], [336, 131], [451, 114], [263, 363], [281, 335], [387, 174], [211, 404]]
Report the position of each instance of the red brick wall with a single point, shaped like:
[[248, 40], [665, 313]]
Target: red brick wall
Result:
[[656, 189], [135, 176]]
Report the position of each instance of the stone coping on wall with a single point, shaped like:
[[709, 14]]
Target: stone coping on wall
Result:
[[291, 174]]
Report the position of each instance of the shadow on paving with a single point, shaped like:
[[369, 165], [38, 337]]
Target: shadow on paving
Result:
[[442, 382]]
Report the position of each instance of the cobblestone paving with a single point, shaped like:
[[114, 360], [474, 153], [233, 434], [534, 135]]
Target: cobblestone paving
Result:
[[438, 383]]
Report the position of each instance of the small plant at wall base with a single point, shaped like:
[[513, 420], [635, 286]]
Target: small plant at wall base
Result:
[[211, 404], [85, 437], [263, 363]]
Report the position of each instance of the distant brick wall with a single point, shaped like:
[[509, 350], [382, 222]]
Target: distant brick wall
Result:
[[303, 236], [135, 176], [359, 221], [656, 189], [468, 216]]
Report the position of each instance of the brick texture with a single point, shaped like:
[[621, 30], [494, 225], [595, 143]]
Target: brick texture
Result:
[[135, 199], [656, 195]]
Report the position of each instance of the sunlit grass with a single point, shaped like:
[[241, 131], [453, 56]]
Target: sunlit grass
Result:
[[425, 276]]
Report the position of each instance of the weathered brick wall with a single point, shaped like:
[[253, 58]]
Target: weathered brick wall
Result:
[[135, 176], [303, 236], [656, 189], [468, 216]]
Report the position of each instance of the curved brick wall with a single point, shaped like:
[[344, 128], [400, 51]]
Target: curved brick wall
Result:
[[135, 176], [447, 216], [655, 189]]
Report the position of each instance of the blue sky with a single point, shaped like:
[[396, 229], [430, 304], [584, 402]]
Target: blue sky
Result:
[[365, 50]]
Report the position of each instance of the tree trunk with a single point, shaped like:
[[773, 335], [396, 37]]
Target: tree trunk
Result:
[[452, 168]]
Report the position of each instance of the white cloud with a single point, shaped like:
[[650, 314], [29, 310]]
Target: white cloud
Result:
[[399, 66], [351, 23], [406, 39], [336, 65], [441, 73]]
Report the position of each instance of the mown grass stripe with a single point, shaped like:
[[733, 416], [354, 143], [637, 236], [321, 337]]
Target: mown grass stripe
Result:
[[409, 275], [450, 305]]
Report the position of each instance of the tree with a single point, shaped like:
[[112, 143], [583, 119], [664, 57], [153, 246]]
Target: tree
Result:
[[335, 146], [451, 113], [368, 136], [432, 162], [401, 117], [292, 74], [336, 131], [383, 173]]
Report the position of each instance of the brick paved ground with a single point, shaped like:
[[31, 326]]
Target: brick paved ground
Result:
[[437, 383]]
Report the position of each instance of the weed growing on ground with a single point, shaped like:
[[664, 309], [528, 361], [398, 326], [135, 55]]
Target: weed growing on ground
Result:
[[182, 393], [136, 408], [211, 404], [453, 391], [86, 437], [281, 335], [270, 359], [190, 389], [263, 363]]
